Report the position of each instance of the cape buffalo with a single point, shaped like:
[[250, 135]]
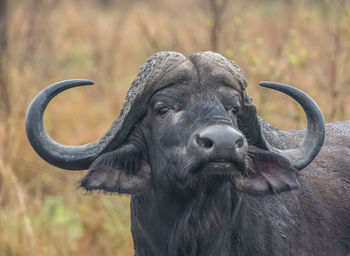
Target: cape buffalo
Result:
[[207, 175]]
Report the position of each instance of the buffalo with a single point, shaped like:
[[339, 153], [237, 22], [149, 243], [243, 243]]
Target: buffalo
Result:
[[206, 174]]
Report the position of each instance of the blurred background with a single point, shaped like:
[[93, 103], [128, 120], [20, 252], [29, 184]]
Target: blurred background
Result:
[[304, 43]]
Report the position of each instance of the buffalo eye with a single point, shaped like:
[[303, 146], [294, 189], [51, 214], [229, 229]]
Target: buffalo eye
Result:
[[235, 110], [161, 109]]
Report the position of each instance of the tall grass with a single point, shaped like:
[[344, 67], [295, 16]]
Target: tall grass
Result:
[[302, 43]]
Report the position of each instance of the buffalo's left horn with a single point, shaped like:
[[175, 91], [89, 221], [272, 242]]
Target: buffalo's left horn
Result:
[[66, 157], [313, 140]]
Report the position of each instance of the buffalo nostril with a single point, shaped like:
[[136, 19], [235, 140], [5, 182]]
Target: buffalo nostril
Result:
[[204, 142]]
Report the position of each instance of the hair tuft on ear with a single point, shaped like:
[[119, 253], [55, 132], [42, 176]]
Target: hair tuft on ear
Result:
[[120, 171], [269, 173]]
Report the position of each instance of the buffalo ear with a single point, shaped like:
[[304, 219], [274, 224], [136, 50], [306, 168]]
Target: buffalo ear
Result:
[[269, 173], [122, 170]]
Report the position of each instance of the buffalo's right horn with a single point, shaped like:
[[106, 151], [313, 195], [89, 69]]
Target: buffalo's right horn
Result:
[[313, 140]]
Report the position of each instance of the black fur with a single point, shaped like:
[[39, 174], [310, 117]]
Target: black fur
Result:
[[185, 202]]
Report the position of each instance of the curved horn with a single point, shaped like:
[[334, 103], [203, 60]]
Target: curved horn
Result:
[[313, 140], [66, 157]]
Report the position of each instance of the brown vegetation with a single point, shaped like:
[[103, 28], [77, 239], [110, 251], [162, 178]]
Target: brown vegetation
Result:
[[302, 43]]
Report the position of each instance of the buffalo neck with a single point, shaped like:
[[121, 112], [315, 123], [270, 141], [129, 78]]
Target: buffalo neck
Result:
[[199, 224]]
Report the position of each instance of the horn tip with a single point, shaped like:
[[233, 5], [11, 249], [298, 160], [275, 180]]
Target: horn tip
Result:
[[89, 82], [81, 81], [77, 82], [266, 83]]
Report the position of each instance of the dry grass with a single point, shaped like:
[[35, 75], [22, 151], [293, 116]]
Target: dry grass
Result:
[[42, 213]]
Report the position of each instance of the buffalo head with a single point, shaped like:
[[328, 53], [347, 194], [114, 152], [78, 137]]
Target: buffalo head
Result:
[[187, 120]]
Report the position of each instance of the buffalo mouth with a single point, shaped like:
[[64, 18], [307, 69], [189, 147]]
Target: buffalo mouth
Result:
[[221, 167], [215, 172]]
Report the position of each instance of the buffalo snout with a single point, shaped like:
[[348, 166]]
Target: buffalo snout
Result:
[[220, 143]]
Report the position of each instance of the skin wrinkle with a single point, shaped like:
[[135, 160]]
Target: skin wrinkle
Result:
[[177, 117]]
